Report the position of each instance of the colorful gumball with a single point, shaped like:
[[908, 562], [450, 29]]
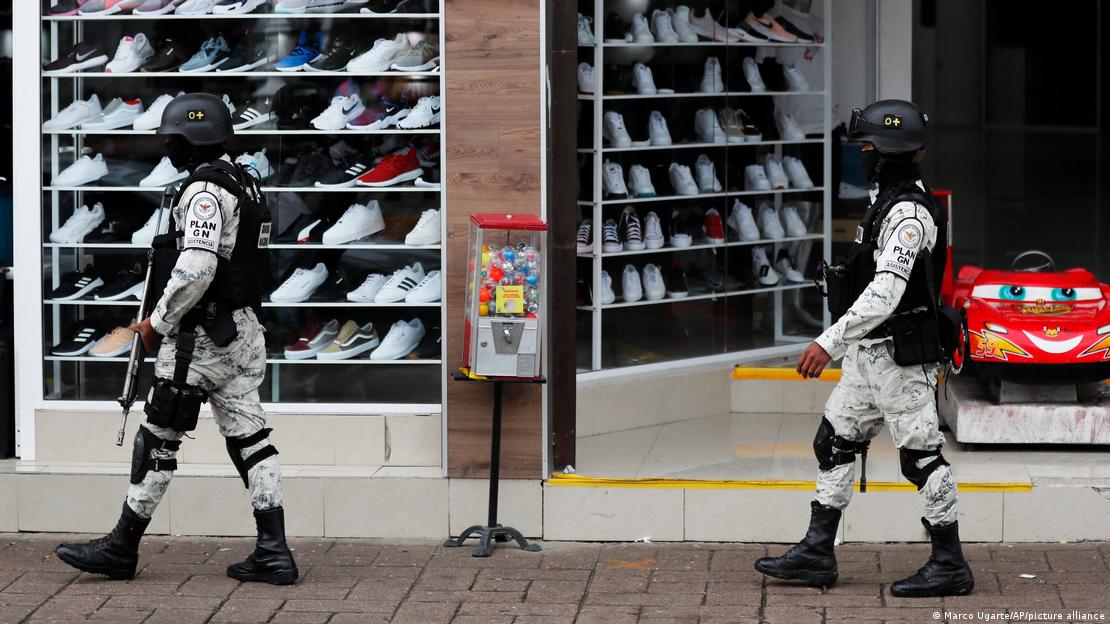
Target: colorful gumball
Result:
[[508, 255], [496, 274], [483, 295], [483, 309], [532, 279]]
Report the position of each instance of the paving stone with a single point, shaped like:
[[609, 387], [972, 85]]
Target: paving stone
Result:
[[247, 610], [300, 617], [208, 585], [179, 616]]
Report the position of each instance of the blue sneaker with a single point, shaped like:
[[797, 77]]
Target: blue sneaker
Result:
[[304, 53], [211, 55]]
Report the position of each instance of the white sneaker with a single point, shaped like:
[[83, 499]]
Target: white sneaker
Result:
[[342, 110], [423, 115], [643, 79], [163, 174], [789, 130], [755, 178], [785, 266], [796, 171], [82, 222], [610, 237], [400, 341], [662, 27], [257, 164], [680, 19], [358, 221], [795, 81], [585, 78], [130, 55], [83, 171], [640, 31], [769, 223], [761, 268], [708, 128], [397, 287], [681, 180], [711, 81], [639, 179], [117, 114], [607, 294], [653, 231], [654, 288], [195, 7], [382, 56], [751, 75], [707, 175], [775, 174], [742, 222], [77, 113], [612, 182], [658, 132], [427, 229], [613, 130], [429, 290], [301, 284], [368, 289], [705, 26], [144, 236], [585, 33], [585, 237], [631, 288], [795, 227], [152, 118]]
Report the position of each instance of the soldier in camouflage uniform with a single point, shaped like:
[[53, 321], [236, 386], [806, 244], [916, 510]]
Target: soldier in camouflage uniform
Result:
[[875, 389], [229, 374]]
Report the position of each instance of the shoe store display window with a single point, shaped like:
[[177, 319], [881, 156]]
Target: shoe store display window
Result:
[[336, 107], [703, 208]]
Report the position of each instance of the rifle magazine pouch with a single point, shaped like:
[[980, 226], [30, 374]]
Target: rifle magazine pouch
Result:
[[174, 405], [916, 339]]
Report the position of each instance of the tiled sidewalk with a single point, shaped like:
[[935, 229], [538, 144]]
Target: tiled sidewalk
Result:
[[346, 581]]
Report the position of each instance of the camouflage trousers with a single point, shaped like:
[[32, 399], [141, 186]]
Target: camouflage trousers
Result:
[[873, 390], [231, 375]]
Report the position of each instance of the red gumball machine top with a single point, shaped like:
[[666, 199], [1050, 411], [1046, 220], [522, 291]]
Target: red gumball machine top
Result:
[[504, 296]]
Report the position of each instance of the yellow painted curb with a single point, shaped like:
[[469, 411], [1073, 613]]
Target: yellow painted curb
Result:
[[575, 480], [780, 374]]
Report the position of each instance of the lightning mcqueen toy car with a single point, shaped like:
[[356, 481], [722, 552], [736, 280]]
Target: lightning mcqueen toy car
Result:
[[1034, 325]]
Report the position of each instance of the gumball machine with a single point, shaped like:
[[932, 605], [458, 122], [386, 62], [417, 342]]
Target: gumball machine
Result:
[[504, 291]]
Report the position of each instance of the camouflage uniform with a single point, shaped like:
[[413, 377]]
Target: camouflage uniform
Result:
[[874, 389], [231, 375]]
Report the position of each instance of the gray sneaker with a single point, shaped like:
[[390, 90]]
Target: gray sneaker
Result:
[[211, 55], [424, 56]]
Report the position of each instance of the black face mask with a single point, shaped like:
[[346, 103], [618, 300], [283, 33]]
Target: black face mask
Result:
[[868, 163], [180, 152]]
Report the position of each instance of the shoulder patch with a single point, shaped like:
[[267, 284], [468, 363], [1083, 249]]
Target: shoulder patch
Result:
[[203, 222], [909, 235]]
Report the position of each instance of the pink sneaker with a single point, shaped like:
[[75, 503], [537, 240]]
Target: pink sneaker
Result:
[[107, 7]]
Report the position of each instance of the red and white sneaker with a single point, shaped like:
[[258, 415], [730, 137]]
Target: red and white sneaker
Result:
[[714, 228], [393, 169]]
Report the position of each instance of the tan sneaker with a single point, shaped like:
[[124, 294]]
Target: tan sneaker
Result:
[[352, 341], [114, 344]]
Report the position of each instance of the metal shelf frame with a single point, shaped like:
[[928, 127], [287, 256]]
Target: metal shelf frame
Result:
[[597, 103]]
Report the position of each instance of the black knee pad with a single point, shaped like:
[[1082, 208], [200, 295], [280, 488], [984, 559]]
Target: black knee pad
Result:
[[141, 460], [243, 465], [833, 450], [919, 476]]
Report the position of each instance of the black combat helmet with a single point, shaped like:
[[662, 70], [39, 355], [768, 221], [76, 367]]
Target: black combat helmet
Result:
[[202, 118], [893, 126]]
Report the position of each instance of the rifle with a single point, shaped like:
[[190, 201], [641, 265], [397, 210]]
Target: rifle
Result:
[[135, 361]]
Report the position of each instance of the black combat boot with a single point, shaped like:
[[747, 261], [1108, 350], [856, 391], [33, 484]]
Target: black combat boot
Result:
[[946, 573], [116, 554], [811, 560], [271, 562]]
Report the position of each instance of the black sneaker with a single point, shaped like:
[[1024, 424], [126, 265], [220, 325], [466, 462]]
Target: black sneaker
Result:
[[65, 7], [169, 57], [305, 229], [615, 29], [77, 284], [335, 58], [128, 283], [81, 56], [400, 6], [82, 337], [112, 231], [253, 113], [344, 175], [677, 287], [296, 105], [708, 274], [247, 57], [335, 288], [680, 229], [430, 347], [311, 165]]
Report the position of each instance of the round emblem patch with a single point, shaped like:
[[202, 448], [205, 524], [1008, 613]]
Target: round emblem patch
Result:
[[204, 205], [910, 235]]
